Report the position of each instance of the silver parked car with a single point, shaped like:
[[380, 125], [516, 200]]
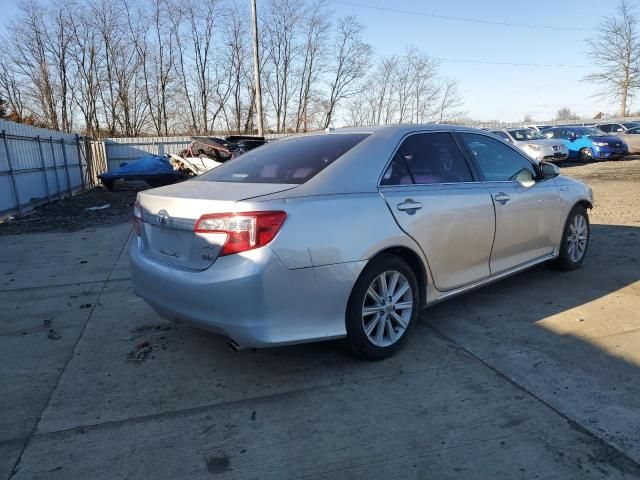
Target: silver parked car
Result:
[[632, 138], [534, 144], [349, 234]]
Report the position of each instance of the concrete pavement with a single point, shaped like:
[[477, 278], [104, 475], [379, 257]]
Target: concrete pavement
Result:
[[535, 377]]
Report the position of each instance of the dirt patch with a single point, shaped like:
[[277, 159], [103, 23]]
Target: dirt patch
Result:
[[616, 189], [71, 214], [627, 170]]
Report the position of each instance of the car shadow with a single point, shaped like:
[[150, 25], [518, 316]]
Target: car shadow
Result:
[[570, 338]]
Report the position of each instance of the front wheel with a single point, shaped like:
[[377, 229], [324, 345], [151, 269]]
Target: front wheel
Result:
[[585, 155], [382, 308], [575, 239]]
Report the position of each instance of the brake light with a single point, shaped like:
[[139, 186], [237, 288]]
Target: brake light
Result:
[[245, 231], [137, 218]]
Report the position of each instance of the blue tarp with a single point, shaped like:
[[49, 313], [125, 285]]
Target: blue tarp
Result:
[[147, 165]]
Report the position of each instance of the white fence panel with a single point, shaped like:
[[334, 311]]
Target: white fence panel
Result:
[[38, 165], [127, 150]]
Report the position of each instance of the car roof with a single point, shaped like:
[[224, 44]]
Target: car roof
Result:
[[400, 128], [359, 169]]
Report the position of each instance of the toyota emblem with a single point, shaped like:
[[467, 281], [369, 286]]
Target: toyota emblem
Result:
[[163, 217]]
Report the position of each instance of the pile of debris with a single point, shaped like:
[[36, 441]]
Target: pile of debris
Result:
[[202, 155]]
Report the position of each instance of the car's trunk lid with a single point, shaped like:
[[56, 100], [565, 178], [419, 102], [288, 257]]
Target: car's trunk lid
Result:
[[170, 214]]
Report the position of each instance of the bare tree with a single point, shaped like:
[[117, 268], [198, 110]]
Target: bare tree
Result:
[[313, 56], [565, 114], [450, 101], [29, 56], [616, 51], [11, 88], [281, 29], [131, 67], [350, 63]]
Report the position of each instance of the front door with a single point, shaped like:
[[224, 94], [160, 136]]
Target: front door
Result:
[[435, 199], [527, 214]]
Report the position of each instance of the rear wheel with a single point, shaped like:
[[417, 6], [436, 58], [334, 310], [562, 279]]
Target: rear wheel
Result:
[[575, 239], [382, 308], [585, 155]]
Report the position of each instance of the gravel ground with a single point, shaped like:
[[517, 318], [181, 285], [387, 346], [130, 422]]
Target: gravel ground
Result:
[[71, 214], [616, 187]]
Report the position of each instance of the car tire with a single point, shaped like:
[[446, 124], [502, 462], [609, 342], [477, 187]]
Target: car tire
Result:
[[585, 155], [575, 240], [377, 327]]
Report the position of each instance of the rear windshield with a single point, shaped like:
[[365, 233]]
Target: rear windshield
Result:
[[294, 160]]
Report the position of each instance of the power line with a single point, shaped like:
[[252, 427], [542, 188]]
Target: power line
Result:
[[491, 62], [514, 64], [460, 19]]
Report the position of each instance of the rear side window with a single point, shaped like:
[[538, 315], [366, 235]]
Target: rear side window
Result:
[[497, 161], [502, 135], [427, 158], [550, 133], [294, 160]]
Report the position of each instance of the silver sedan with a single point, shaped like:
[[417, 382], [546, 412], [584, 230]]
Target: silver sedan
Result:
[[349, 234]]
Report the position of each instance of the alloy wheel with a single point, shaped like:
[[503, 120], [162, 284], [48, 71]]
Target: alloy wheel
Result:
[[577, 238], [387, 308]]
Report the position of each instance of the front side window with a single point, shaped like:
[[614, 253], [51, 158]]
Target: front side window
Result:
[[605, 128], [497, 161], [293, 160], [427, 158]]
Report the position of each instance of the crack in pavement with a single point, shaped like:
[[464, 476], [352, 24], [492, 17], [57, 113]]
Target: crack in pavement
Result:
[[616, 457], [32, 434]]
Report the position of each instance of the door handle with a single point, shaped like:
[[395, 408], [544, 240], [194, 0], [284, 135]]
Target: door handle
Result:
[[502, 198], [409, 205]]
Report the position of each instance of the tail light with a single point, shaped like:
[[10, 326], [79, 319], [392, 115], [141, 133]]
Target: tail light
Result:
[[137, 218], [245, 231]]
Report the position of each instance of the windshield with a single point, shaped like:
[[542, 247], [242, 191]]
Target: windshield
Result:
[[294, 160], [526, 134], [589, 132]]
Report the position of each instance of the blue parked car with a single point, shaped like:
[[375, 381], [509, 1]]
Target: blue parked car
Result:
[[589, 143]]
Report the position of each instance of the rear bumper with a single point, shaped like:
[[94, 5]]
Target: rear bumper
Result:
[[251, 298]]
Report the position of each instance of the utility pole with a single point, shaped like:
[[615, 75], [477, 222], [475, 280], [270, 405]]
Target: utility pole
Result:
[[256, 69]]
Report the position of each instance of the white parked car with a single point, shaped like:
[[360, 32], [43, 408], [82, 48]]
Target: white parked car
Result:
[[534, 144]]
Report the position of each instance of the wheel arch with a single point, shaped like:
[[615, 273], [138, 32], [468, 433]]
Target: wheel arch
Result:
[[583, 202], [415, 262]]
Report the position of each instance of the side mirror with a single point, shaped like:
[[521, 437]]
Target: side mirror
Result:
[[548, 170]]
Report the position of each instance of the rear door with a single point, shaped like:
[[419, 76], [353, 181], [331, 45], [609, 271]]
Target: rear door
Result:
[[436, 199], [527, 211]]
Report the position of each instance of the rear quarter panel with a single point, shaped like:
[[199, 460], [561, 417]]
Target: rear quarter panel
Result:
[[330, 229]]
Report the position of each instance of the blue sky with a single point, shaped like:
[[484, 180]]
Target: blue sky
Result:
[[490, 91], [498, 91]]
